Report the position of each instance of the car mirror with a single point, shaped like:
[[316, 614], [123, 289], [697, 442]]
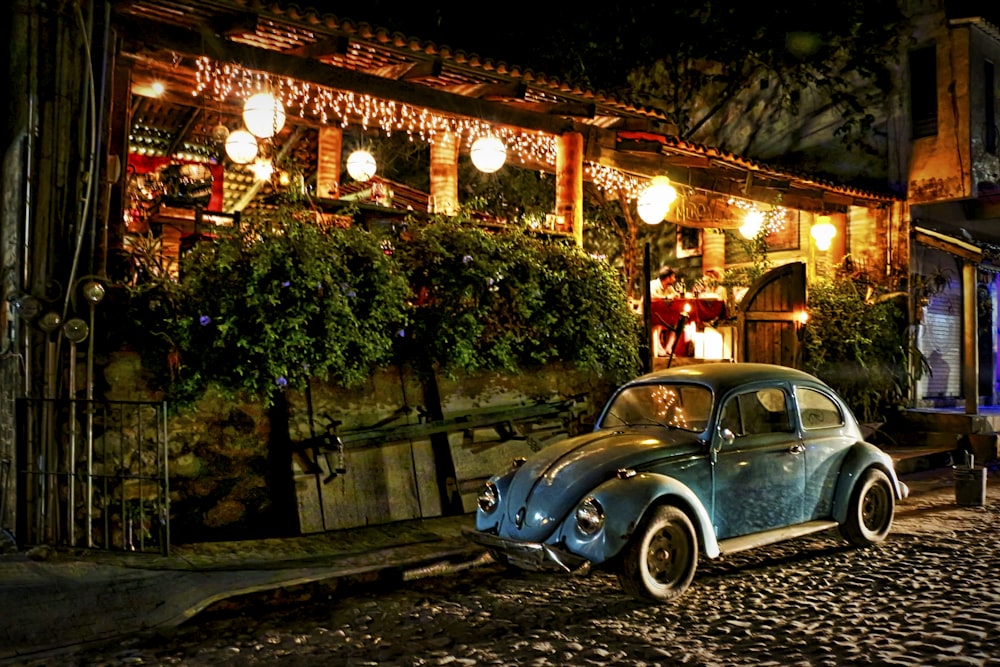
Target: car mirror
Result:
[[725, 437]]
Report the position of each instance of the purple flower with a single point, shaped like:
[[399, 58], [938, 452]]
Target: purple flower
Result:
[[281, 381], [401, 333], [346, 289], [466, 259], [204, 320], [286, 283]]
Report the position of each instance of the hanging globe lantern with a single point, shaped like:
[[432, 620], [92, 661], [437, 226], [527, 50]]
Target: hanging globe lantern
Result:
[[488, 154], [220, 133], [264, 115], [361, 165], [655, 201], [241, 147], [752, 223], [823, 232]]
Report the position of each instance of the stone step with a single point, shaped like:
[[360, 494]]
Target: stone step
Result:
[[915, 459]]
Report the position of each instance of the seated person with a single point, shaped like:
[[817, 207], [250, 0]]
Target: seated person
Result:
[[663, 286]]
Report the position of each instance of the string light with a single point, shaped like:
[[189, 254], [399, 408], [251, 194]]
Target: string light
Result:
[[757, 221], [334, 107], [221, 81], [615, 182]]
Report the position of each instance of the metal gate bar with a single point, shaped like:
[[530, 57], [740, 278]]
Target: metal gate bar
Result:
[[103, 485]]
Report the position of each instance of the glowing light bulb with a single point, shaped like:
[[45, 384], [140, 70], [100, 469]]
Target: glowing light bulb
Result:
[[655, 201], [488, 153]]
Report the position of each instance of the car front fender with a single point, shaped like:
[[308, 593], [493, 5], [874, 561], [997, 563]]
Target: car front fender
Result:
[[862, 456], [625, 501]]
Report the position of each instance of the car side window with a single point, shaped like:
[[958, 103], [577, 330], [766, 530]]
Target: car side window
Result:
[[755, 412], [817, 410]]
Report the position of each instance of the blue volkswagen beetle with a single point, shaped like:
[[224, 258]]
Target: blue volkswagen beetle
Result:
[[705, 459]]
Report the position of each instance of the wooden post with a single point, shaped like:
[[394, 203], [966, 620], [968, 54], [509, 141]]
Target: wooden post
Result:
[[970, 342], [713, 251], [569, 183], [648, 351], [331, 143], [444, 174]]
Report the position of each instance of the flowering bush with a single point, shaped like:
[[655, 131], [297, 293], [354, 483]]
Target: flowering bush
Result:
[[271, 306], [285, 300], [509, 300]]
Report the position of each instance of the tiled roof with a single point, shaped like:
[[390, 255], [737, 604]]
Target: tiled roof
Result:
[[162, 38]]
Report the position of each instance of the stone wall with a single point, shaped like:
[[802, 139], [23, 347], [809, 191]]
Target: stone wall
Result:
[[218, 447]]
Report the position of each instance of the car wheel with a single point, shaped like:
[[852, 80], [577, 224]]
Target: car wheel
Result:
[[659, 561], [870, 514]]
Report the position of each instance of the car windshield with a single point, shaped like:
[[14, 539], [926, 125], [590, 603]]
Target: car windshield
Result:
[[681, 406]]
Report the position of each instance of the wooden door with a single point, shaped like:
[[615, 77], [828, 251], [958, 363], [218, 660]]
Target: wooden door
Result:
[[767, 317]]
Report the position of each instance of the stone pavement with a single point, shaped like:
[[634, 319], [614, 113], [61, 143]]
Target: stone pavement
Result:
[[53, 600], [66, 600]]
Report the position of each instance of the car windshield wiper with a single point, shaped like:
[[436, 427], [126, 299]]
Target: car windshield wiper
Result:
[[645, 421]]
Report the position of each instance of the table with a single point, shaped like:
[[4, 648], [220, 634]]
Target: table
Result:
[[665, 314]]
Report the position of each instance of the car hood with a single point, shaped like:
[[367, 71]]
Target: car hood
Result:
[[551, 483]]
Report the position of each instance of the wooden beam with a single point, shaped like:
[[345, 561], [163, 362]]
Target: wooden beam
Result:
[[510, 91], [641, 147], [947, 244], [332, 46], [409, 71], [235, 24], [572, 109], [712, 175], [193, 44]]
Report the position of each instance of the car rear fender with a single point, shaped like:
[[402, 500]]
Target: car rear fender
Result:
[[861, 457], [625, 501]]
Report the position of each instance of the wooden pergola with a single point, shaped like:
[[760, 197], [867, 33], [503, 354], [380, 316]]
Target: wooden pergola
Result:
[[574, 133]]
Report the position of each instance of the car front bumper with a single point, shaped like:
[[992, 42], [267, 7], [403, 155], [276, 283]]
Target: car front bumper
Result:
[[531, 555]]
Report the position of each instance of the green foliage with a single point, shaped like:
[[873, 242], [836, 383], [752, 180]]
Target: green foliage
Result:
[[757, 251], [792, 52], [281, 301], [859, 344], [488, 300], [285, 300]]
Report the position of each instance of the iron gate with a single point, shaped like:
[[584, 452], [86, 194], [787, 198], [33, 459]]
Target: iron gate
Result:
[[93, 474]]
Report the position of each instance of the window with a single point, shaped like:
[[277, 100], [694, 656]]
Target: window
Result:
[[756, 412], [989, 104], [923, 91], [817, 410], [680, 406]]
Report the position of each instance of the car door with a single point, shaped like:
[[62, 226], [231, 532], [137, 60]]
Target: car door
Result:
[[759, 475], [824, 435]]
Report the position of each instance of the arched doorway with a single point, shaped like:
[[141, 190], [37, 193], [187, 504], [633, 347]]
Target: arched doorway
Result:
[[768, 317]]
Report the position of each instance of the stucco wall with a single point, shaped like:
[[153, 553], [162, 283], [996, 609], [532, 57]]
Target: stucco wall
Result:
[[985, 164], [940, 166]]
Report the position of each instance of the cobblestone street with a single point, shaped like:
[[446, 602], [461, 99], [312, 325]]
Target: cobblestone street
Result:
[[927, 596]]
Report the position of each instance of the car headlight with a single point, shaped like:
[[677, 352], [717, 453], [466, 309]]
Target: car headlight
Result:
[[489, 497], [589, 516]]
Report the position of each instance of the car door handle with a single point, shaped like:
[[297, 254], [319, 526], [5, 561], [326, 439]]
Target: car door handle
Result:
[[796, 449]]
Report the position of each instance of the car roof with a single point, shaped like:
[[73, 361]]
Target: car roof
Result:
[[723, 376]]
